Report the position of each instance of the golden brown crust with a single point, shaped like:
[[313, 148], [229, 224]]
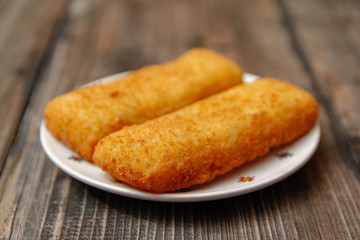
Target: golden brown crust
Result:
[[201, 141], [82, 117]]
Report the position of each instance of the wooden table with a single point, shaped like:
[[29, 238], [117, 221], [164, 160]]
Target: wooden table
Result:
[[50, 47]]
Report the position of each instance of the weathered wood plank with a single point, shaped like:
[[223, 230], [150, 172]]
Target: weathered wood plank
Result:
[[327, 38], [73, 213], [23, 48]]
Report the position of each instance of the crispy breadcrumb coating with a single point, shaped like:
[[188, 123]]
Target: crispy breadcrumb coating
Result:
[[81, 118], [208, 138]]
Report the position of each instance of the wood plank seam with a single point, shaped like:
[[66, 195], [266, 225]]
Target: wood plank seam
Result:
[[350, 154], [36, 76]]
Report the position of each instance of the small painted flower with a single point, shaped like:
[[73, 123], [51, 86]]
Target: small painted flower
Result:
[[246, 179], [75, 158], [284, 155]]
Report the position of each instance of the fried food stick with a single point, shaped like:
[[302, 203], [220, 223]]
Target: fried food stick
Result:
[[208, 138], [81, 118]]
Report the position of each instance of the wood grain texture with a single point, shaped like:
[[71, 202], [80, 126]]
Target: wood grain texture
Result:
[[328, 50], [24, 48], [50, 48]]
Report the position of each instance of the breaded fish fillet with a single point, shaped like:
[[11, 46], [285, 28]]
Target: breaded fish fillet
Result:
[[82, 117], [208, 138]]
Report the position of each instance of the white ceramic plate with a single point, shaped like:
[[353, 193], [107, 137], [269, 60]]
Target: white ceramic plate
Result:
[[252, 176]]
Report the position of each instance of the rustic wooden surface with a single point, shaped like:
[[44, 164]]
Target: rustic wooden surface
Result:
[[51, 47]]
